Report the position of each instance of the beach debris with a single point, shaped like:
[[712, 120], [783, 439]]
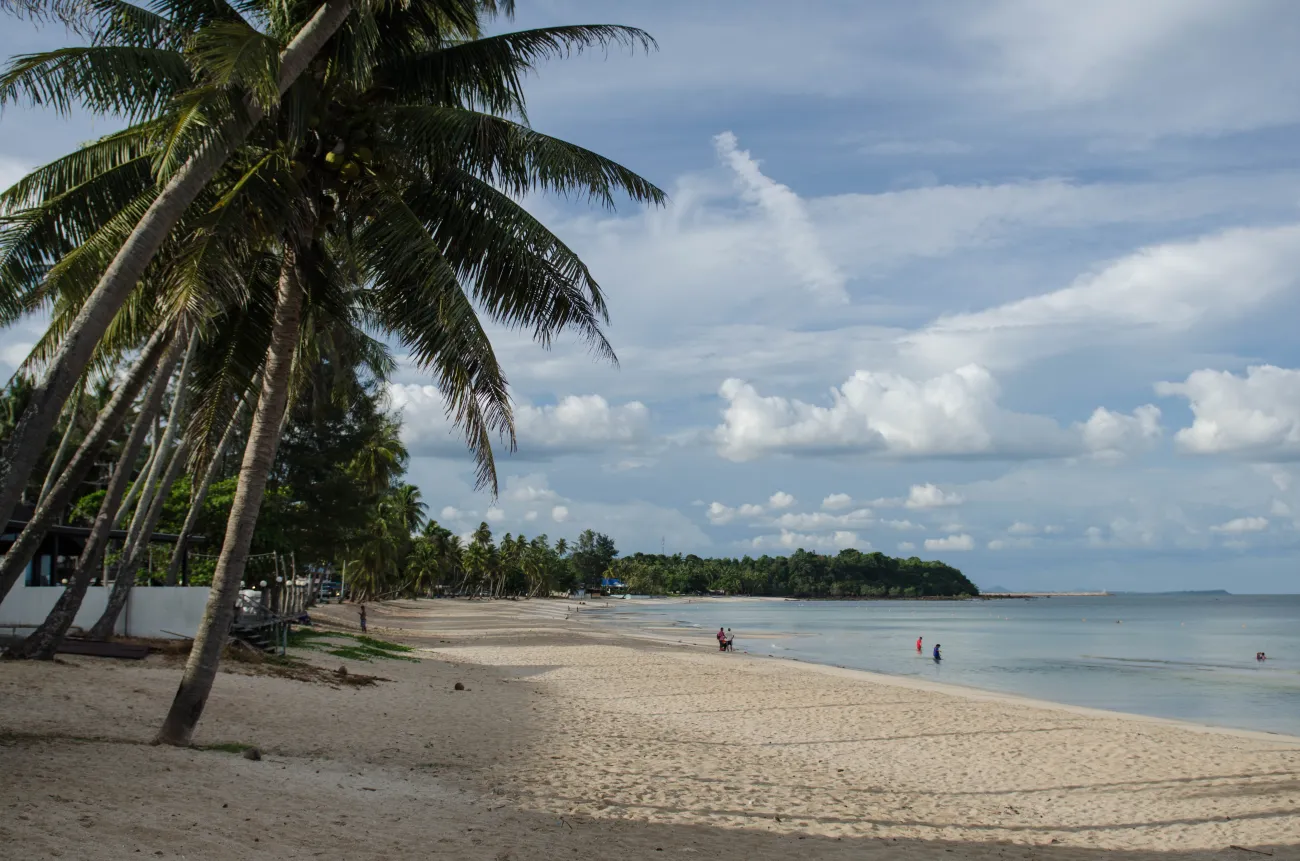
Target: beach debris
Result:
[[459, 686], [253, 754], [1255, 851], [341, 672]]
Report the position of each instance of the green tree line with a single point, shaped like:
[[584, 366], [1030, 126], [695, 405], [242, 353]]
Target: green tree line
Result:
[[848, 574]]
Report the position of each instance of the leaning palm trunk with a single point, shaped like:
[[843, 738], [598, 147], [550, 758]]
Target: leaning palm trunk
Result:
[[201, 494], [162, 451], [44, 641], [62, 450], [13, 563], [135, 555], [137, 487], [259, 455], [32, 431]]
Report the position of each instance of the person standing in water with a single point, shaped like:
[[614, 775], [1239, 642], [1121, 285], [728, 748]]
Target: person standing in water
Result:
[[937, 656], [918, 645]]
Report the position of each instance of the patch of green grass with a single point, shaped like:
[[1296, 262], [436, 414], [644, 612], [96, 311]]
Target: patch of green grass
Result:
[[226, 747], [307, 638], [367, 653], [372, 643], [361, 648]]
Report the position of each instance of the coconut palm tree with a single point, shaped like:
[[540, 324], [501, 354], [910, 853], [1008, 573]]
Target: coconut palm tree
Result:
[[381, 458], [407, 506], [441, 219], [435, 559], [235, 75]]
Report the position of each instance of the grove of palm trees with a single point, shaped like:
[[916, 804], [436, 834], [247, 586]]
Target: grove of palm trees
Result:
[[293, 194]]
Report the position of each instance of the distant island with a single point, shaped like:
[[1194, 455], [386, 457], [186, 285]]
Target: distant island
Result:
[[848, 574]]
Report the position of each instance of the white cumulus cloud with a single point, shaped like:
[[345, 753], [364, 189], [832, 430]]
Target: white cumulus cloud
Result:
[[559, 513], [931, 496], [836, 501], [824, 520], [495, 515], [951, 543], [574, 424], [955, 414], [1241, 525], [780, 499], [1255, 415], [790, 540], [720, 514]]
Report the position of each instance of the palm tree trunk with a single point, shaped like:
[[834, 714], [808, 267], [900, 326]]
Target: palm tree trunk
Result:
[[13, 563], [259, 455], [201, 493], [32, 431], [44, 641], [137, 487], [135, 555], [162, 448], [63, 445]]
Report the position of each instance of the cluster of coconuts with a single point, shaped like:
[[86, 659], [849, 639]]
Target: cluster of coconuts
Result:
[[345, 159]]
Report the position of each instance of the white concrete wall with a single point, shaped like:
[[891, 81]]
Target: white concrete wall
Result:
[[163, 611], [151, 611]]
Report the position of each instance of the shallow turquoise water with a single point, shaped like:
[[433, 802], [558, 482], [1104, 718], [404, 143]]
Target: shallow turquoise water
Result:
[[1188, 657]]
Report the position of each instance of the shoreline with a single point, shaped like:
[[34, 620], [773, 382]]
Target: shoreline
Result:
[[950, 688]]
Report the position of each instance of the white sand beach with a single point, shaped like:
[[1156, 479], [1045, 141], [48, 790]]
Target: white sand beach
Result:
[[575, 742]]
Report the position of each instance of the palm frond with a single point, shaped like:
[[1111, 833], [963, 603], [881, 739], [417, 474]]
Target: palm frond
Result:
[[123, 23], [233, 54], [79, 167], [487, 74], [73, 14], [232, 351], [509, 155], [127, 80], [82, 223], [520, 272], [417, 297]]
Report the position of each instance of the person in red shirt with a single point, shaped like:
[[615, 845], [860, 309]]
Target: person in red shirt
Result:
[[918, 645]]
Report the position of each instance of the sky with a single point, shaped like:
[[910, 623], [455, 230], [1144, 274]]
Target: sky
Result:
[[1009, 284]]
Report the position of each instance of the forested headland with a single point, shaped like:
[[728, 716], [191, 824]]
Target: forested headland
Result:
[[848, 574]]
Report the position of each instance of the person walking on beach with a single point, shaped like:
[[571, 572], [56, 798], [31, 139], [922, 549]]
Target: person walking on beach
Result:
[[731, 638], [918, 645], [722, 639], [362, 611]]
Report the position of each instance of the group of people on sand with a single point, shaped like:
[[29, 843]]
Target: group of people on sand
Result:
[[937, 655], [725, 639]]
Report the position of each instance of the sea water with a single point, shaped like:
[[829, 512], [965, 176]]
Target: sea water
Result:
[[1188, 657]]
